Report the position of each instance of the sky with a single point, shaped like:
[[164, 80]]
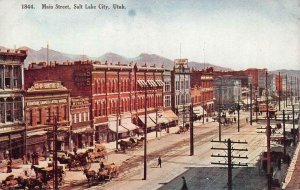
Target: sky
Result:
[[238, 34]]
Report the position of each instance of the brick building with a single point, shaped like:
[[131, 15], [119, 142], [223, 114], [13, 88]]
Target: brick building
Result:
[[11, 102], [115, 93], [81, 128], [202, 91], [44, 101]]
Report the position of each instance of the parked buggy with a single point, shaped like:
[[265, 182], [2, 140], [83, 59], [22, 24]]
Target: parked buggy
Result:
[[46, 174], [105, 174], [97, 153]]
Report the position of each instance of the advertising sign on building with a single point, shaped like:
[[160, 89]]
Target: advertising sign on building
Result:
[[182, 62]]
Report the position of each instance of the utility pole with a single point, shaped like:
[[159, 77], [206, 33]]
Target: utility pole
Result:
[[145, 130], [156, 126], [238, 109], [286, 90], [55, 180], [203, 109], [291, 91], [268, 131], [219, 114], [229, 157], [280, 90], [284, 144], [256, 105], [251, 107], [191, 130], [294, 132]]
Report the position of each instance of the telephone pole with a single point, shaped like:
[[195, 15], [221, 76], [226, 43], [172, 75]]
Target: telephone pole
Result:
[[294, 132], [279, 91], [219, 113], [55, 180], [284, 143], [256, 105], [191, 130], [238, 109], [118, 114], [251, 107], [268, 131], [229, 157], [145, 130], [286, 89]]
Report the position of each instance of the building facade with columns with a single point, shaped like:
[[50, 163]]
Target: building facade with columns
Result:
[[12, 102], [47, 103]]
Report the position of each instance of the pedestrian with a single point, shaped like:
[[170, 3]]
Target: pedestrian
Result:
[[9, 164], [45, 151], [279, 164], [28, 157], [159, 162], [101, 166], [184, 185], [75, 150]]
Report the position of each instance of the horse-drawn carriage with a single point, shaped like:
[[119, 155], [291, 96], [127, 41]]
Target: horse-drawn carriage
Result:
[[98, 152], [131, 143], [46, 174], [104, 174], [22, 182], [76, 161]]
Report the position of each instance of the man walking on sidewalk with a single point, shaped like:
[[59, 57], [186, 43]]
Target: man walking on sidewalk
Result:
[[159, 162]]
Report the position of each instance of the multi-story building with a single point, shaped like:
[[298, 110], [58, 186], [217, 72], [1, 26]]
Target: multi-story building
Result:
[[227, 92], [81, 129], [181, 91], [12, 102], [116, 94], [202, 90], [258, 79], [47, 104]]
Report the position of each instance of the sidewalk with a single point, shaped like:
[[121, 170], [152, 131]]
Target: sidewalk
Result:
[[292, 179]]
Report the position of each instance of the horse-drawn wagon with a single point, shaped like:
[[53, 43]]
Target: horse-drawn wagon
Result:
[[97, 153]]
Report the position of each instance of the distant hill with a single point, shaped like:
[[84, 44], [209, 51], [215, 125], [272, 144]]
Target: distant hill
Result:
[[290, 73], [149, 59]]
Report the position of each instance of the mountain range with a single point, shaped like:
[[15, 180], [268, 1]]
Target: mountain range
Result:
[[142, 59]]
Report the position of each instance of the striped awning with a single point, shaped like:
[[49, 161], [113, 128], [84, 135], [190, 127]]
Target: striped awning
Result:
[[151, 83], [160, 82], [142, 83]]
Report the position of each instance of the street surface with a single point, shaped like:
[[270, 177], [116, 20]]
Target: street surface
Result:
[[174, 151]]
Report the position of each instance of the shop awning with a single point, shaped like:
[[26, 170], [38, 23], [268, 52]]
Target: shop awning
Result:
[[150, 123], [142, 83], [198, 110], [127, 124], [151, 83], [160, 82], [82, 129], [112, 125], [36, 133], [171, 115], [161, 118]]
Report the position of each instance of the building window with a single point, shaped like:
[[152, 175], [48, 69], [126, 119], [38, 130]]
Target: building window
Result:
[[74, 118], [187, 84], [18, 107], [39, 116], [82, 117], [1, 76], [17, 77], [177, 100], [167, 101], [9, 111], [177, 85], [7, 71], [48, 115], [167, 86], [2, 116], [77, 118]]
